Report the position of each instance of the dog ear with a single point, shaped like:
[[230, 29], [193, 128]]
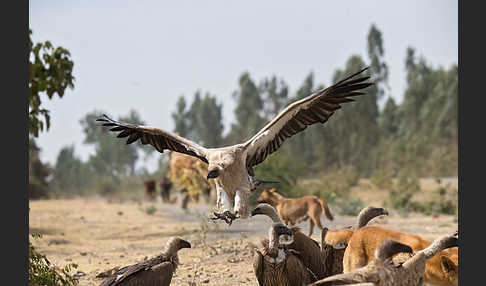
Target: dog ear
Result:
[[448, 266]]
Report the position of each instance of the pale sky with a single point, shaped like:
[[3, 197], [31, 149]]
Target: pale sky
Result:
[[143, 55]]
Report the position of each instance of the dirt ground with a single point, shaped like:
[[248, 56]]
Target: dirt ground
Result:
[[99, 235]]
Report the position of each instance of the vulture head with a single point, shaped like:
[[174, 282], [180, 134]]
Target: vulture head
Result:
[[218, 162], [174, 244], [271, 212], [368, 213], [281, 229]]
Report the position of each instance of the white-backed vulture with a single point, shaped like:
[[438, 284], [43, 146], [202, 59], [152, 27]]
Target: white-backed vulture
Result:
[[232, 167], [157, 271], [384, 271], [276, 265], [309, 249], [334, 242]]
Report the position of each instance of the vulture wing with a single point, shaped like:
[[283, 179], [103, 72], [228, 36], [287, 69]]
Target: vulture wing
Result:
[[297, 273], [352, 278], [317, 107], [159, 138], [129, 271], [258, 266], [310, 252]]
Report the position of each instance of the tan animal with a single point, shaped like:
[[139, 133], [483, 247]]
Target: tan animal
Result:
[[441, 269], [384, 271], [293, 209], [157, 271], [334, 242], [231, 167], [276, 265]]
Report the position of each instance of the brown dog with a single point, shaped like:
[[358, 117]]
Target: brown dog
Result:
[[293, 209], [441, 269]]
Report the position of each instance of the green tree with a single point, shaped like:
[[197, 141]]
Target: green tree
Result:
[[301, 145], [389, 120], [352, 133], [206, 116], [181, 118], [70, 174], [274, 93], [38, 173], [50, 73], [248, 112], [378, 66], [112, 157]]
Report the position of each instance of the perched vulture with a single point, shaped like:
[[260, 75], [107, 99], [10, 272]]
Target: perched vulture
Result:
[[232, 167], [275, 265], [334, 242], [383, 269], [157, 271], [309, 249]]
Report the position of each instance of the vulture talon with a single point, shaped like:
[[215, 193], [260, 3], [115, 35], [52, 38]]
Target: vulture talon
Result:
[[227, 216]]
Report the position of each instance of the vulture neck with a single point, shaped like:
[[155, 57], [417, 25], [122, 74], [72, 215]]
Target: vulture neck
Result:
[[438, 245], [364, 217], [273, 215], [273, 243], [170, 252]]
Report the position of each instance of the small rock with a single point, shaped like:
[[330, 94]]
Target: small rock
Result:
[[205, 281], [83, 253]]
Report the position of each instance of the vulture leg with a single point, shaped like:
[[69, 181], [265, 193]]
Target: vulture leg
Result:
[[241, 202], [223, 206]]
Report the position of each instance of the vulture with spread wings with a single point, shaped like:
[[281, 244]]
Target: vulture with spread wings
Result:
[[232, 167]]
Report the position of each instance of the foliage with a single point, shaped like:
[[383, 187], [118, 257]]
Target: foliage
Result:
[[248, 111], [43, 273], [50, 72], [150, 210], [382, 178], [38, 173], [400, 196], [113, 158], [348, 206], [443, 202], [70, 175]]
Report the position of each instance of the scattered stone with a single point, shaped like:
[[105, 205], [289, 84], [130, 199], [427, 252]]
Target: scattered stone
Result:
[[205, 281], [83, 253]]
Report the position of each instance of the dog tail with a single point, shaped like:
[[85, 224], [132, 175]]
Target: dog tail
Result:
[[325, 209]]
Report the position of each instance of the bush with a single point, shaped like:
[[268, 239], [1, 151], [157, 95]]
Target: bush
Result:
[[382, 178], [43, 273], [444, 201], [348, 206], [400, 196]]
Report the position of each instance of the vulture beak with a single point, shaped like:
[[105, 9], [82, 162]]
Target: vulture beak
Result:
[[185, 244], [259, 182], [283, 230], [214, 173], [256, 212]]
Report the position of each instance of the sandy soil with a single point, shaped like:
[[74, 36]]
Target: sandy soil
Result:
[[99, 235]]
